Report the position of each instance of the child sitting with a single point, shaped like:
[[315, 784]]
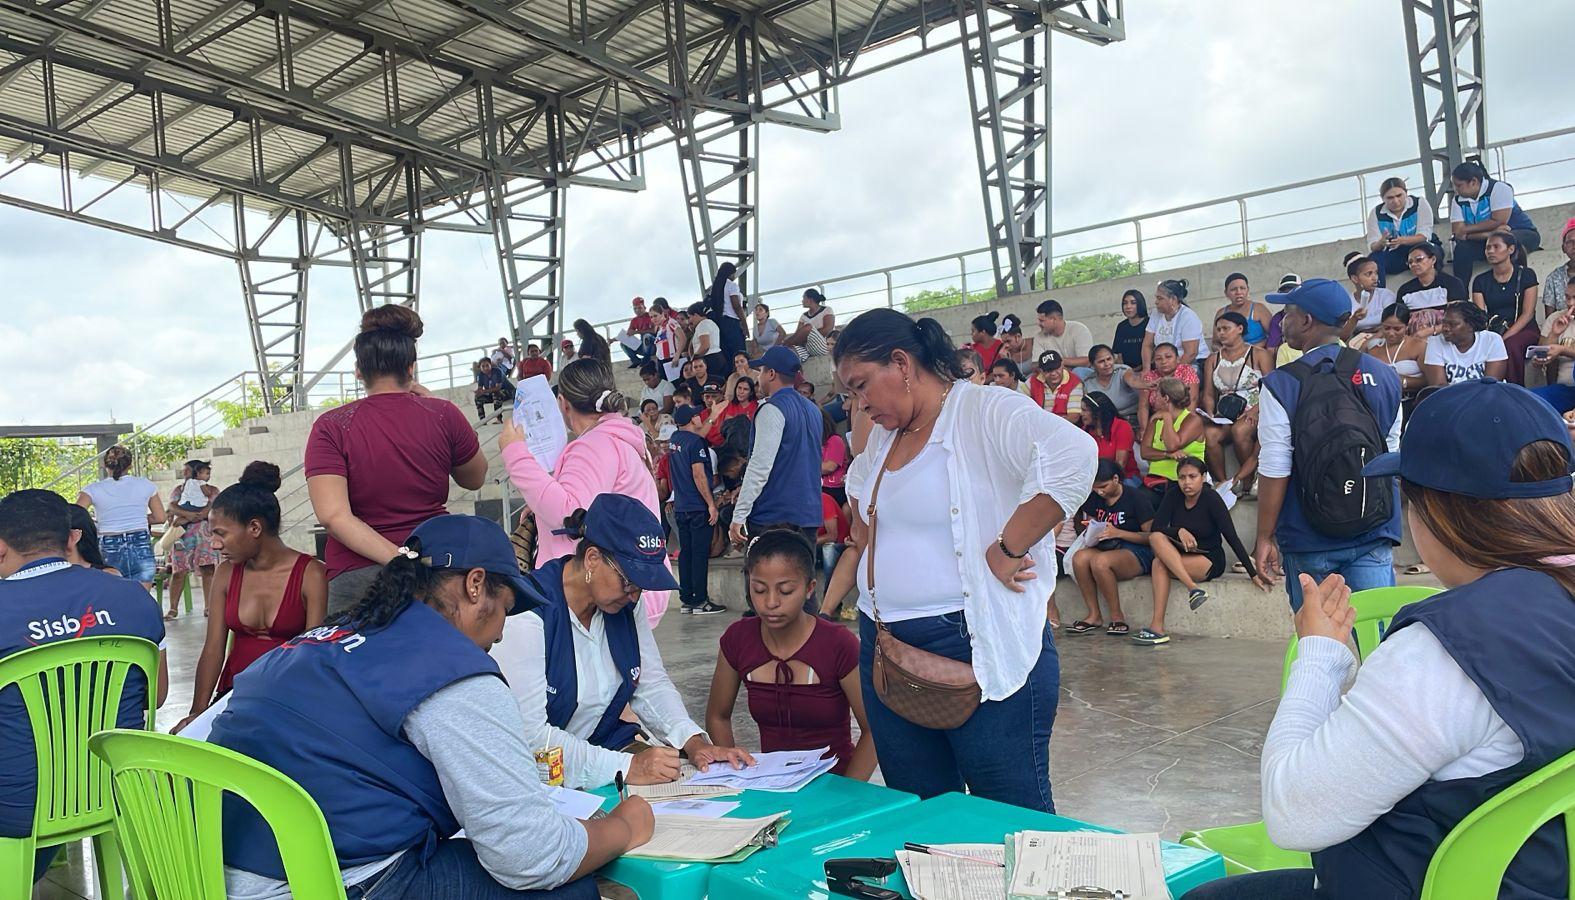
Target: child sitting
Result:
[[802, 671]]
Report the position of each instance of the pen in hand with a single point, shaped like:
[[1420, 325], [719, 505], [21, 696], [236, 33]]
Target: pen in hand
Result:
[[619, 784]]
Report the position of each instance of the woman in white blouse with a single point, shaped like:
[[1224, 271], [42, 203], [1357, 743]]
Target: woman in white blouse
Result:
[[1174, 322], [975, 482]]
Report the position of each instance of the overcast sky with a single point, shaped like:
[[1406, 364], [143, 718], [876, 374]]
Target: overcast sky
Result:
[[1200, 100]]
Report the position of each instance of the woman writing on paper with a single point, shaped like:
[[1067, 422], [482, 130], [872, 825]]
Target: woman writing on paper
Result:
[[584, 656], [802, 671], [607, 455], [1455, 704], [970, 484]]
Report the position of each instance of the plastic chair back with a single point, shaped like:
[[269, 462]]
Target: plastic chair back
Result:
[[1374, 608], [169, 791], [1471, 861], [72, 689]]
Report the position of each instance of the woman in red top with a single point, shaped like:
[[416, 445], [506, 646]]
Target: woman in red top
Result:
[[744, 403], [272, 593], [985, 343], [802, 671], [1112, 434]]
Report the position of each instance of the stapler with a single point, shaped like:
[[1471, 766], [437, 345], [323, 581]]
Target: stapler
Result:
[[846, 877]]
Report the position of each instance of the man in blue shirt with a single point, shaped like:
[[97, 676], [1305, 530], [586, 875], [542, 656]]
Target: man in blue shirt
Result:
[[689, 469], [43, 599], [1313, 315]]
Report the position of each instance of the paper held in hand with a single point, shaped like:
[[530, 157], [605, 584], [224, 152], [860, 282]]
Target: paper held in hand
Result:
[[1044, 864], [782, 770], [536, 413], [682, 789]]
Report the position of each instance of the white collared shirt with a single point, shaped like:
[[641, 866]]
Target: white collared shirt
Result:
[[1001, 451], [522, 656]]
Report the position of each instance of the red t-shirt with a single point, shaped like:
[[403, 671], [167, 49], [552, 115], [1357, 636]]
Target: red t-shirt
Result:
[[831, 509], [988, 352], [1120, 439], [642, 324], [396, 452], [538, 366], [798, 716]]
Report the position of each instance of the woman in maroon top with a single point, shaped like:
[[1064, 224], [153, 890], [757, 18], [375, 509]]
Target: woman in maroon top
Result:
[[802, 671], [273, 593], [379, 466]]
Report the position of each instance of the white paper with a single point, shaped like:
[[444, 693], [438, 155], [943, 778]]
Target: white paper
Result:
[[1217, 420], [1091, 535], [700, 809], [536, 413], [1047, 861], [783, 770], [692, 838], [933, 877], [632, 341], [197, 729], [572, 803]]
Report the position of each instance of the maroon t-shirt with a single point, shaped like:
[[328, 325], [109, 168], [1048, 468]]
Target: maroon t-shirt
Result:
[[396, 452], [798, 716]]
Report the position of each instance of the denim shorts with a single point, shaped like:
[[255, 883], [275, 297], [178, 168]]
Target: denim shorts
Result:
[[131, 552], [1143, 552]]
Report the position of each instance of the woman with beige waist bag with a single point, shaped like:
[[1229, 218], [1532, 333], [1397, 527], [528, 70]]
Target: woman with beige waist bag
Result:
[[956, 498]]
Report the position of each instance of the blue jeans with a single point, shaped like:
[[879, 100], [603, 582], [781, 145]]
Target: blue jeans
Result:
[[829, 554], [647, 349], [131, 553], [1559, 396], [694, 557], [1001, 753], [1368, 566], [1275, 884], [453, 873]]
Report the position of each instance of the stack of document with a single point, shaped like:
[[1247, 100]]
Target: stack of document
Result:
[[683, 788], [782, 771], [694, 839], [1041, 864], [955, 872]]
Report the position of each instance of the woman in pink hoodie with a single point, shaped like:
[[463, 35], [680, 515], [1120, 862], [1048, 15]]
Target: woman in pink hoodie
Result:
[[606, 456]]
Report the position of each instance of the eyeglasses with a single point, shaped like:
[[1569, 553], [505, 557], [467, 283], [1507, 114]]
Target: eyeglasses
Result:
[[1418, 259], [624, 584]]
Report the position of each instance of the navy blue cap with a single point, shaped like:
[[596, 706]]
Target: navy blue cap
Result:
[[1463, 439], [1324, 300], [779, 359], [623, 527], [471, 542], [685, 414]]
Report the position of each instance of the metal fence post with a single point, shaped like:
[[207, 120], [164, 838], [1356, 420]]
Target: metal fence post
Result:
[[1241, 210], [962, 268], [1361, 212], [890, 298], [1137, 231]]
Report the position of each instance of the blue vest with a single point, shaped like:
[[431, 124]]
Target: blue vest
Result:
[[51, 600], [1481, 208], [563, 677], [1391, 226], [328, 710], [1512, 632], [792, 492], [1381, 389]]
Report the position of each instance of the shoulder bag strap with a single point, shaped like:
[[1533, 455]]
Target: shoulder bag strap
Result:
[[870, 516]]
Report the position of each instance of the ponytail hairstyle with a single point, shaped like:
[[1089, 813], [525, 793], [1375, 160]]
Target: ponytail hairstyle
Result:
[[1525, 531], [875, 335], [986, 324], [724, 274], [1400, 311], [1469, 312], [1517, 250], [408, 577], [815, 295], [1104, 410], [1470, 170], [1390, 184], [781, 543], [1175, 287], [386, 346], [1012, 324], [252, 498], [1008, 366], [587, 386], [1354, 262], [574, 529], [117, 461], [1174, 390], [87, 543]]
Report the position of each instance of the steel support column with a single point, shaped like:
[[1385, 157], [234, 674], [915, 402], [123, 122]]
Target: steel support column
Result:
[[528, 232], [1009, 95], [274, 264], [1445, 49]]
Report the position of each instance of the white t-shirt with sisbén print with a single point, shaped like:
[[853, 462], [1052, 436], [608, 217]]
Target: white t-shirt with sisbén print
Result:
[[1470, 363], [1178, 329]]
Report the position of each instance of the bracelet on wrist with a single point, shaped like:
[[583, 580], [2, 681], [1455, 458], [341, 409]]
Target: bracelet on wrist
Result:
[[1000, 541]]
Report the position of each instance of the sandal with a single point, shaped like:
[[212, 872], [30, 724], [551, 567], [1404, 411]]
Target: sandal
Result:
[[1417, 569], [170, 616], [1197, 597], [1150, 636], [1082, 627], [1117, 629], [1238, 568]]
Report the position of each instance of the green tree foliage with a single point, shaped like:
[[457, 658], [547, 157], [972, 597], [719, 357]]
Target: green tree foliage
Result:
[[1256, 251], [1092, 267], [66, 468], [933, 299], [236, 413]]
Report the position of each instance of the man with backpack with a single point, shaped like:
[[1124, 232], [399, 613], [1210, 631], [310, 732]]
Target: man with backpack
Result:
[[1320, 420]]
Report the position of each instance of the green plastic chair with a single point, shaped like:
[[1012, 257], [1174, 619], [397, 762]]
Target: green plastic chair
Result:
[[1471, 861], [1246, 848], [160, 579], [168, 793], [73, 787]]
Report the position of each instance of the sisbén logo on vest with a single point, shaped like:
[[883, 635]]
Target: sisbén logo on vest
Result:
[[67, 626]]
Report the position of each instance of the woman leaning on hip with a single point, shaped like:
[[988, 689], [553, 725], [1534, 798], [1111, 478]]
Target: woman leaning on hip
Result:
[[1449, 710], [955, 551]]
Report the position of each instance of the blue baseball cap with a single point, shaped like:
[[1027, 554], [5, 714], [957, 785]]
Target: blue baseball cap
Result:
[[471, 542], [780, 359], [1324, 300], [1464, 439], [624, 528], [685, 414]]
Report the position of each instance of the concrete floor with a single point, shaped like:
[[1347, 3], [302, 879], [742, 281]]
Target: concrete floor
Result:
[[1146, 738]]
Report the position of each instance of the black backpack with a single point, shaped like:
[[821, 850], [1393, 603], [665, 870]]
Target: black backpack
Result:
[[1334, 435]]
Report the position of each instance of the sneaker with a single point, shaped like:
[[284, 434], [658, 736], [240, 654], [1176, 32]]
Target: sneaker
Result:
[[686, 610], [708, 609], [1197, 597], [1150, 636]]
